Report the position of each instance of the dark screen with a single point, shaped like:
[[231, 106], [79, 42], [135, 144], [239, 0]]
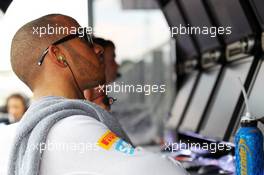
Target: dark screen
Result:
[[4, 5], [229, 13], [185, 44], [173, 15], [196, 15], [225, 99], [199, 100], [258, 8]]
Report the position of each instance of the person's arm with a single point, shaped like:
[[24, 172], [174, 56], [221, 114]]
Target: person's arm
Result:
[[81, 145]]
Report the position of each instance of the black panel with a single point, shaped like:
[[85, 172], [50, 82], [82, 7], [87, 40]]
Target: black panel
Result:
[[4, 4], [229, 13], [163, 2], [196, 16], [185, 46], [225, 99], [258, 7]]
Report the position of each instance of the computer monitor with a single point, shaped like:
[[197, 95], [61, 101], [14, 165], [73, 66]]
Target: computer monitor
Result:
[[199, 100], [185, 45], [224, 100], [196, 15], [256, 100], [257, 6], [229, 13], [182, 98]]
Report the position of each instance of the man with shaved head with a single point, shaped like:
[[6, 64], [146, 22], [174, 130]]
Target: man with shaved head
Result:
[[62, 133], [81, 56]]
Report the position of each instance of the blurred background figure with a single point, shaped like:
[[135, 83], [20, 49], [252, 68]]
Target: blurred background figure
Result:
[[109, 57], [14, 109], [96, 95]]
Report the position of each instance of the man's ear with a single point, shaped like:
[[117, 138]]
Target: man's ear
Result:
[[57, 56], [98, 49]]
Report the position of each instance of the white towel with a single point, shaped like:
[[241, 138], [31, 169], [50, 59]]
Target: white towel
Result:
[[38, 120]]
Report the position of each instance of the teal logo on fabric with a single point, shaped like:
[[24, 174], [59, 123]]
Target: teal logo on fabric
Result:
[[124, 147]]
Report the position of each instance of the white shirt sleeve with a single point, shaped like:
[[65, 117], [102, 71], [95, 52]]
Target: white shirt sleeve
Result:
[[81, 145]]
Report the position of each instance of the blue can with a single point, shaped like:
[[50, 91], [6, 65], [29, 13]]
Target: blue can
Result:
[[249, 149]]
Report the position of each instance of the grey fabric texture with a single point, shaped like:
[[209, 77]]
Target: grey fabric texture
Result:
[[34, 127]]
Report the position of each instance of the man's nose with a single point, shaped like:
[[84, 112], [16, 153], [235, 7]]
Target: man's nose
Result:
[[98, 49]]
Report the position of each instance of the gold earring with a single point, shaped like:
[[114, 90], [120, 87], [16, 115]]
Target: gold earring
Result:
[[61, 58]]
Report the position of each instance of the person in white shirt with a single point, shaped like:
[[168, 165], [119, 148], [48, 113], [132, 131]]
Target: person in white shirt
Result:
[[62, 134]]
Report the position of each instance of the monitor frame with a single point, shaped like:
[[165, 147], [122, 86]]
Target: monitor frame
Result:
[[207, 114]]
